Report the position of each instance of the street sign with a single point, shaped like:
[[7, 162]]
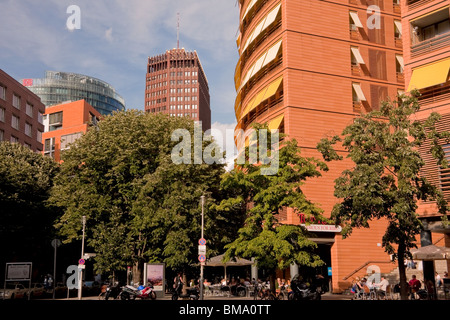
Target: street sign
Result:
[[202, 241], [202, 249], [201, 258], [81, 261], [81, 266], [56, 243]]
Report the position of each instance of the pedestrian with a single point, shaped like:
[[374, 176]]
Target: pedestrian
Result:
[[438, 280], [414, 286]]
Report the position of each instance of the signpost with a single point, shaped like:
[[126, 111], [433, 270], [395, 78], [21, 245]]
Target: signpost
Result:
[[20, 271], [202, 251], [55, 244]]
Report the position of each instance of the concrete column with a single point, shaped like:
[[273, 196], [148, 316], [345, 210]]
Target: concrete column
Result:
[[254, 270]]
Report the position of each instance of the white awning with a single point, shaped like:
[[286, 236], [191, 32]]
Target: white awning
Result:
[[355, 18], [262, 25], [250, 5], [398, 25], [400, 60], [359, 92], [357, 55]]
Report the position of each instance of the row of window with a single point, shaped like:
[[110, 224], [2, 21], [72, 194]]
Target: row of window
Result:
[[15, 123], [13, 139], [173, 74], [16, 101], [192, 115]]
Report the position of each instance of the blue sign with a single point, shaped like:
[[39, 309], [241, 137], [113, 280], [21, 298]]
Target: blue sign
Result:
[[329, 271]]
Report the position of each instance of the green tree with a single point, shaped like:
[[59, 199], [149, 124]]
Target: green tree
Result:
[[25, 217], [261, 196], [140, 205], [385, 180]]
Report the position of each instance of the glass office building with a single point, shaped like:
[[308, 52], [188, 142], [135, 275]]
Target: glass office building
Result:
[[58, 87]]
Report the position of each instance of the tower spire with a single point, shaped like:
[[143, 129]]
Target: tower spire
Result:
[[178, 30]]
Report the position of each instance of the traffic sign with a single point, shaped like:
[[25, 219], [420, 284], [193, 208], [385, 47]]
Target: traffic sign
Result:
[[81, 261], [202, 241], [202, 249], [202, 258]]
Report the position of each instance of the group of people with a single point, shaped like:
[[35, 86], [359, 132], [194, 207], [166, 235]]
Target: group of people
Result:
[[380, 289]]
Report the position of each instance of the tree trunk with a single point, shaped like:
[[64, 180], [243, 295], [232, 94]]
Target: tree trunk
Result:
[[272, 278], [402, 272], [137, 273]]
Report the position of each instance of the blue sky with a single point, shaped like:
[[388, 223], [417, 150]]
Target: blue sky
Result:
[[115, 39]]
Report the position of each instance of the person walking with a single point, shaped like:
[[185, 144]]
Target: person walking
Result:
[[414, 286]]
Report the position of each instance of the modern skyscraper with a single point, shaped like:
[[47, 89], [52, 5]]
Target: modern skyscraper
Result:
[[176, 85], [58, 87], [426, 44], [308, 68], [20, 114]]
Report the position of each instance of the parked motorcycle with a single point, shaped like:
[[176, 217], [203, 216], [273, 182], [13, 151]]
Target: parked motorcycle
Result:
[[112, 292], [142, 292], [304, 291]]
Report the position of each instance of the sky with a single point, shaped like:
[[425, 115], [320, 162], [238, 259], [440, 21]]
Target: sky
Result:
[[115, 39]]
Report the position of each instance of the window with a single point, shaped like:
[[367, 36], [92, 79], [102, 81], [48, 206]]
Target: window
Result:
[[28, 129], [358, 94], [355, 23], [39, 136], [55, 119], [15, 122], [29, 110], [431, 25], [356, 56], [2, 135], [399, 63], [49, 147], [14, 139], [2, 92], [68, 139], [2, 115], [397, 29], [16, 101]]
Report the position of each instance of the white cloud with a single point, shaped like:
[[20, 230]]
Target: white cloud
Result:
[[223, 134], [108, 34]]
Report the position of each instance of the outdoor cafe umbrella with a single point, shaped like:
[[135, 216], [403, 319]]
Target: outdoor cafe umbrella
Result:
[[217, 262], [431, 252]]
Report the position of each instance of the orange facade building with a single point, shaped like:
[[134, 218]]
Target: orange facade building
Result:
[[426, 45], [308, 68], [64, 124]]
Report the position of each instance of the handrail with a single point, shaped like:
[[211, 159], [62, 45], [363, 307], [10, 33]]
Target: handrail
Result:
[[364, 265]]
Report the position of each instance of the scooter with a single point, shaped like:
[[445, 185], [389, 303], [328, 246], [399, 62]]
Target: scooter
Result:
[[193, 293], [112, 292], [302, 291], [142, 292]]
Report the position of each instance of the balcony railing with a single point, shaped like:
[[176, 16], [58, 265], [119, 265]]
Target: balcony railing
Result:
[[357, 106], [400, 77], [435, 94], [356, 70], [354, 34], [432, 44], [399, 42]]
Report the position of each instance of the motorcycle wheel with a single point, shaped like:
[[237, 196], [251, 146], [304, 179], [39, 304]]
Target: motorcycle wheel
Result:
[[153, 295], [174, 297], [291, 296], [125, 296]]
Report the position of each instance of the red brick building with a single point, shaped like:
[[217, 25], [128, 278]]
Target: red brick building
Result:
[[426, 46], [64, 124], [20, 114], [176, 85], [308, 68]]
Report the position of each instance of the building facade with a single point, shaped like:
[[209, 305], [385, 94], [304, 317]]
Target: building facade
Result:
[[20, 114], [60, 87], [426, 46], [176, 85], [64, 124], [308, 68]]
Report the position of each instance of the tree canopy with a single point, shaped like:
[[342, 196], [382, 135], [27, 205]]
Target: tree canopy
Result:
[[140, 205], [385, 180], [262, 196], [26, 219]]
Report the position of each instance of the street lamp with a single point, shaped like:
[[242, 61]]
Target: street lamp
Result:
[[202, 263], [80, 280]]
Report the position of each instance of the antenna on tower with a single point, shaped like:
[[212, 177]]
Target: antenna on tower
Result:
[[178, 30]]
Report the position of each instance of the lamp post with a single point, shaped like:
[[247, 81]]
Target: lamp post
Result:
[[202, 263], [80, 280]]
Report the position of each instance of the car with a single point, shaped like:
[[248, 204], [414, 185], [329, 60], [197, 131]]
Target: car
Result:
[[13, 291], [37, 290]]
